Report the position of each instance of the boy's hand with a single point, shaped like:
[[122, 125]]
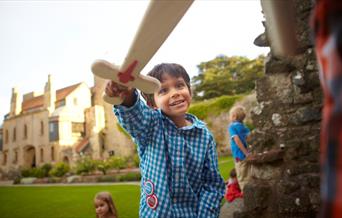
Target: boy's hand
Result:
[[114, 89]]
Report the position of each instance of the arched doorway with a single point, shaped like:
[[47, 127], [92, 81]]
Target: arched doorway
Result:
[[29, 156], [66, 159]]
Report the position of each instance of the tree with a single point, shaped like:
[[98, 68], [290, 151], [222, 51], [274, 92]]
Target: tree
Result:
[[227, 76]]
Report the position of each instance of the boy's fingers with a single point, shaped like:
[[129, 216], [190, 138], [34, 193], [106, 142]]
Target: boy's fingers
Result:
[[111, 89], [114, 89]]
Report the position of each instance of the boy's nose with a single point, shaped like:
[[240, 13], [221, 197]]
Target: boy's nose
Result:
[[174, 93]]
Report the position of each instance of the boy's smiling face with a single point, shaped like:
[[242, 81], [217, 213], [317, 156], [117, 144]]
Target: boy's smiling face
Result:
[[174, 97]]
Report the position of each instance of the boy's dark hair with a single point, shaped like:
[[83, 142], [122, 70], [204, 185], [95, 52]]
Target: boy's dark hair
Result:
[[232, 173], [172, 69]]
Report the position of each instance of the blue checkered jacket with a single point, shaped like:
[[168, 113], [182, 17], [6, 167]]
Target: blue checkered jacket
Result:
[[181, 163]]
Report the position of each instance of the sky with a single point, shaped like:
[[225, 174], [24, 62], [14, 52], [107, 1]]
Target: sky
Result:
[[63, 38]]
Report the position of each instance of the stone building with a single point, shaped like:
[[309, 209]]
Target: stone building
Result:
[[60, 125], [286, 141]]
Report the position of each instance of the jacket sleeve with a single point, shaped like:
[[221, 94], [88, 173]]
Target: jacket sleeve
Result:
[[212, 185], [138, 121]]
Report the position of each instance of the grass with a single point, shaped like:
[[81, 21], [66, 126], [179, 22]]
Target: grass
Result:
[[225, 163], [65, 201], [213, 106], [75, 201]]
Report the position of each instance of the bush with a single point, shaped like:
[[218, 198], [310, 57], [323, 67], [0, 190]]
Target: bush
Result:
[[117, 162], [132, 161], [46, 169], [59, 170], [54, 180], [130, 177], [102, 165], [26, 173], [136, 160], [38, 172], [16, 180], [85, 165]]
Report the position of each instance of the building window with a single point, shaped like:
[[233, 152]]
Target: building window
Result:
[[15, 160], [53, 131], [60, 103], [41, 128], [14, 134], [4, 162], [78, 128], [41, 155], [75, 101], [1, 142], [25, 131], [53, 153], [6, 136]]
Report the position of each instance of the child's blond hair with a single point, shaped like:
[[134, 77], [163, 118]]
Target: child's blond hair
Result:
[[107, 197], [237, 113]]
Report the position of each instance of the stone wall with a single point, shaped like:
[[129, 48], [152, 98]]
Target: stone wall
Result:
[[285, 152]]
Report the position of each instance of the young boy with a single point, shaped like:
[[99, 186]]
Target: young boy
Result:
[[178, 159], [238, 135]]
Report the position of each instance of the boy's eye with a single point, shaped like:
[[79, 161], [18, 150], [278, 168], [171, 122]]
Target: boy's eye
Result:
[[180, 85], [162, 91]]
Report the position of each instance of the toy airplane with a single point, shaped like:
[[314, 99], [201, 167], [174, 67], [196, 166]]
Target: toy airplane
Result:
[[159, 20]]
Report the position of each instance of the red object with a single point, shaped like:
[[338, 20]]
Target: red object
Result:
[[327, 25], [233, 190], [126, 76]]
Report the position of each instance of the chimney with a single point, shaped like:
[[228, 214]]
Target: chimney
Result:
[[49, 95], [97, 91], [15, 102]]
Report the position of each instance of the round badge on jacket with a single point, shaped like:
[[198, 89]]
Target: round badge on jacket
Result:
[[148, 187], [152, 201]]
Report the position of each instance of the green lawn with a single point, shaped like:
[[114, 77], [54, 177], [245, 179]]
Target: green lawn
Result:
[[225, 165], [65, 201], [74, 201]]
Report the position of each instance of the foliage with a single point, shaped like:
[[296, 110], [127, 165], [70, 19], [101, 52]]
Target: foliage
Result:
[[26, 173], [226, 76], [16, 180], [46, 169], [136, 160], [59, 169], [117, 162], [132, 176], [85, 165], [213, 106], [250, 126], [39, 172], [103, 166]]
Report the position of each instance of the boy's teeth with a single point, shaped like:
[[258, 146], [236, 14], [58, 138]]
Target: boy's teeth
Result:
[[177, 102]]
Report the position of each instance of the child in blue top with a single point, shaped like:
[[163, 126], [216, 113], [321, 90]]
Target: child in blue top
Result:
[[238, 133], [178, 159]]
